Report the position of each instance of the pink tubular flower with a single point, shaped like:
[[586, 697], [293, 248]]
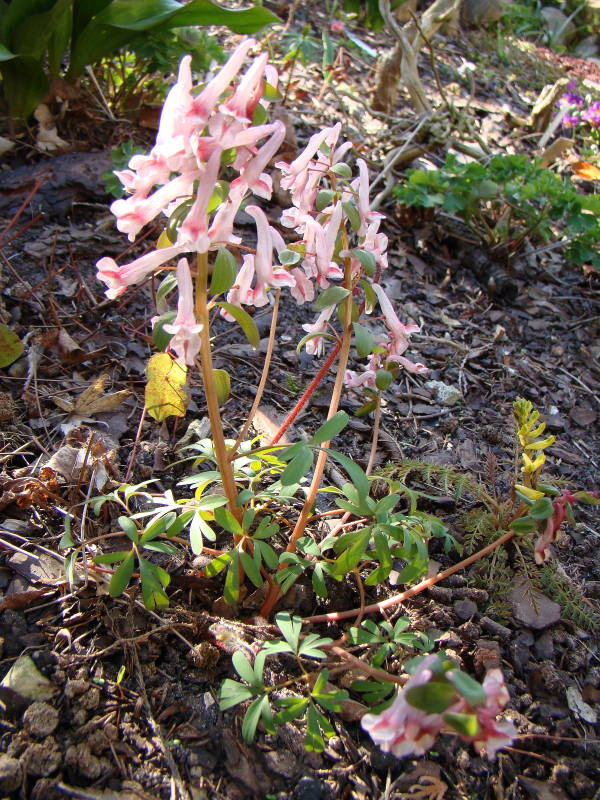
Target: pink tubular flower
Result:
[[252, 172], [303, 291], [266, 274], [194, 229], [402, 729], [134, 212], [241, 293], [314, 347], [493, 735], [246, 97], [325, 239], [186, 329], [119, 278], [361, 185]]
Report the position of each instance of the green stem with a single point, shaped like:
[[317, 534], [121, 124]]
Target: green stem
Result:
[[306, 512], [212, 402]]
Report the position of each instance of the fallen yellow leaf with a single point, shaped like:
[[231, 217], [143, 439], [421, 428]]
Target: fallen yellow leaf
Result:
[[166, 392]]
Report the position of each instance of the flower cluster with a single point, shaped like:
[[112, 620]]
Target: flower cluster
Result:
[[581, 111], [333, 233], [403, 729]]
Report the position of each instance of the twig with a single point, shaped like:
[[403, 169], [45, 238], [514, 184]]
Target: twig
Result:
[[334, 616]]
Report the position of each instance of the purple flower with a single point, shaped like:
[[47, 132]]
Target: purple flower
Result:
[[592, 114], [570, 120]]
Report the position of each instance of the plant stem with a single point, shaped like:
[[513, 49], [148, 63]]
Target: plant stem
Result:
[[306, 511], [306, 395], [263, 379], [212, 402], [420, 587]]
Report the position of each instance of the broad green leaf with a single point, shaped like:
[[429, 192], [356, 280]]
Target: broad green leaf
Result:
[[251, 569], [252, 717], [324, 199], [11, 347], [232, 693], [204, 12], [130, 528], [245, 322], [524, 525], [351, 557], [222, 383], [243, 667], [363, 340], [224, 272], [433, 697], [355, 473], [383, 379], [158, 526], [217, 565], [226, 520], [153, 580], [231, 591], [541, 509], [290, 628], [352, 214], [472, 691], [288, 257], [297, 467], [120, 580], [367, 260], [294, 707], [160, 337], [165, 287], [330, 297], [111, 558], [329, 429], [465, 724], [342, 169], [166, 393]]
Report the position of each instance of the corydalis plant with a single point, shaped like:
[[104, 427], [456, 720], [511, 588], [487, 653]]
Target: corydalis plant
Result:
[[205, 136]]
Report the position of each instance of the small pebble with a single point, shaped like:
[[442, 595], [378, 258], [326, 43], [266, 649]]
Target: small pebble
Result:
[[11, 774], [465, 609], [40, 719]]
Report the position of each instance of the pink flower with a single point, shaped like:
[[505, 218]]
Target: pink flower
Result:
[[119, 278], [136, 211], [186, 329], [266, 274], [402, 729], [336, 27], [252, 173], [399, 334], [241, 293], [303, 291], [249, 90], [493, 735], [325, 241], [361, 185], [194, 229], [314, 347]]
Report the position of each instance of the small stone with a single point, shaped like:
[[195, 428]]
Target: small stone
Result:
[[80, 758], [282, 763], [308, 789], [40, 719], [496, 628], [544, 646], [465, 609], [11, 774], [41, 760], [532, 608], [444, 394]]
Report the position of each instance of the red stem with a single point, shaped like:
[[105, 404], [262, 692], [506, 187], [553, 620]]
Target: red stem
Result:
[[306, 394]]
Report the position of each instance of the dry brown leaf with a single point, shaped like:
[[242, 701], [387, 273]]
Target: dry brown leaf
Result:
[[92, 400], [427, 788], [582, 169]]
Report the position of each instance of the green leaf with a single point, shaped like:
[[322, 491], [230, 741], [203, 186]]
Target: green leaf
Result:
[[324, 199], [383, 379], [11, 347], [231, 591], [160, 337], [311, 646], [297, 467], [245, 322], [120, 580], [433, 697], [290, 628], [222, 383], [541, 509], [131, 529], [294, 707], [342, 169], [470, 689], [363, 339], [288, 257], [465, 724], [252, 717], [330, 297], [352, 214], [367, 260], [251, 568], [523, 525], [111, 558], [232, 693], [226, 520], [224, 272], [153, 579], [204, 12], [351, 557], [158, 526], [355, 473], [218, 564], [329, 429], [243, 667], [211, 501]]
